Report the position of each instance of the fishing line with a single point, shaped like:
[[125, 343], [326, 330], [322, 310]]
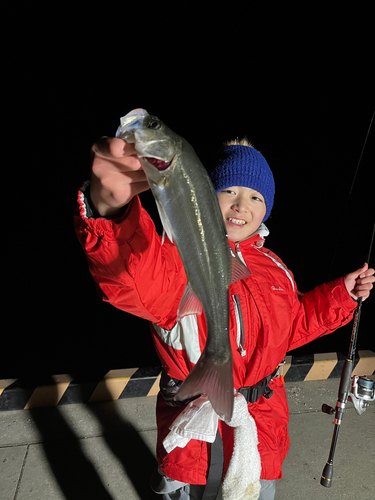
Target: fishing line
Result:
[[348, 200], [372, 241], [360, 158]]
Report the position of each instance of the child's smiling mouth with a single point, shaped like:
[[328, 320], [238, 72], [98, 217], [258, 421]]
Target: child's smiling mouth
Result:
[[238, 222]]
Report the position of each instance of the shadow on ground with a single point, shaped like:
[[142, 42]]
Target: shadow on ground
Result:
[[74, 472]]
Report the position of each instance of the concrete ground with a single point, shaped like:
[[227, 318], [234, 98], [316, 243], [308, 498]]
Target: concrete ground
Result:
[[106, 450]]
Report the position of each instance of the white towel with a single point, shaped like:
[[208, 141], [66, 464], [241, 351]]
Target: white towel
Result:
[[242, 481], [199, 421]]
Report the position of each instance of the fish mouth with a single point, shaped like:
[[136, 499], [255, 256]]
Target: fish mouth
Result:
[[159, 164]]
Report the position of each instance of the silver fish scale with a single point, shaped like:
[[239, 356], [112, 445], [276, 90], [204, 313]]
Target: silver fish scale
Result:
[[197, 223]]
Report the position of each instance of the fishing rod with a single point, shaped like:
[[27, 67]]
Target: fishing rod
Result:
[[359, 390], [348, 198]]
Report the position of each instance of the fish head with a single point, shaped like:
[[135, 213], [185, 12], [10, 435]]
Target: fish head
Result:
[[156, 145]]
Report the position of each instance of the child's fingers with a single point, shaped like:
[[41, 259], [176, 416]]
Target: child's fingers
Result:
[[112, 147]]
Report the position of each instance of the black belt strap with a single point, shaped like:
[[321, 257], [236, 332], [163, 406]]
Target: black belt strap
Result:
[[254, 392], [215, 471]]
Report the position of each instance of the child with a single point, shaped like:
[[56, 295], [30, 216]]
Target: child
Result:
[[138, 274]]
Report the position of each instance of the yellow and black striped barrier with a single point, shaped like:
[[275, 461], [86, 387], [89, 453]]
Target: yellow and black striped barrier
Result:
[[18, 394]]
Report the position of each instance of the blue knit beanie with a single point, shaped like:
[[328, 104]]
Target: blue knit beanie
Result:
[[245, 166]]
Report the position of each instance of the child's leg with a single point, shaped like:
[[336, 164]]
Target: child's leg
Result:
[[267, 490], [189, 492]]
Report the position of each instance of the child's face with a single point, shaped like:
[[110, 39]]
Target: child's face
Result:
[[243, 210]]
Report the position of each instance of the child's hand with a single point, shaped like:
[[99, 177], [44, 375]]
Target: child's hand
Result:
[[359, 283], [116, 175]]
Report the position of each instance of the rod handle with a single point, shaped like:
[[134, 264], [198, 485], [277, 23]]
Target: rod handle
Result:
[[326, 479]]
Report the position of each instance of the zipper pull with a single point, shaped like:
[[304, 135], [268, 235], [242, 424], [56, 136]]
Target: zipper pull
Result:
[[238, 250]]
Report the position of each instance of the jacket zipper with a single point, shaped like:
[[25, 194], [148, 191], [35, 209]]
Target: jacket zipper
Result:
[[240, 327], [238, 251], [238, 311]]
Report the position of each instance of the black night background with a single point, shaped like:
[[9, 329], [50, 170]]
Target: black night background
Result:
[[296, 79]]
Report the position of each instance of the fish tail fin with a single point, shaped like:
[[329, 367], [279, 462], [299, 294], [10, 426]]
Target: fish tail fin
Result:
[[216, 381]]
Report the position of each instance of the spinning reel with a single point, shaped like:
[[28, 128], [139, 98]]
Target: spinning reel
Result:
[[362, 393]]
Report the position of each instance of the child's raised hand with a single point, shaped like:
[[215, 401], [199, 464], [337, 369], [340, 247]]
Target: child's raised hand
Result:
[[360, 282], [116, 175]]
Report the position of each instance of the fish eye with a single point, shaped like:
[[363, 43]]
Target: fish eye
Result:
[[154, 124]]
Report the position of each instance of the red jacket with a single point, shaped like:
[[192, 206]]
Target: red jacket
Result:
[[137, 274]]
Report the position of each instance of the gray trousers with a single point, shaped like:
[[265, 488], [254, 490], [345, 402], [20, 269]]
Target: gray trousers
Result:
[[195, 492]]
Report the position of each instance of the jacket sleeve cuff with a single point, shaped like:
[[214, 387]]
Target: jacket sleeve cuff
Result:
[[119, 228], [342, 295], [91, 212]]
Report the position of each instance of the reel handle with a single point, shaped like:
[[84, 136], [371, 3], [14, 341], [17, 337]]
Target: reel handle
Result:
[[328, 409]]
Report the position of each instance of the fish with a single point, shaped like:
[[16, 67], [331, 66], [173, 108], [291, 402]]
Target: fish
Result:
[[191, 217]]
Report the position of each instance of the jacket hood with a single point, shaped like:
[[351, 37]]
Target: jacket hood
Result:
[[263, 231]]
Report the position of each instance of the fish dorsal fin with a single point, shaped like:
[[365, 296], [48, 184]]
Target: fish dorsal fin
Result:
[[167, 229], [239, 270], [189, 304]]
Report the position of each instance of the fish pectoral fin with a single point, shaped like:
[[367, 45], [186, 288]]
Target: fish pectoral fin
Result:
[[239, 270], [167, 229], [216, 381], [190, 304]]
